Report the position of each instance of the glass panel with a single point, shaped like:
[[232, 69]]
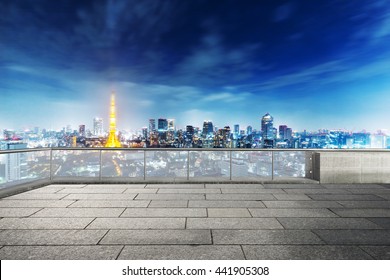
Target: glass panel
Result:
[[251, 164], [18, 168], [171, 164], [123, 164], [289, 164], [210, 164], [76, 163]]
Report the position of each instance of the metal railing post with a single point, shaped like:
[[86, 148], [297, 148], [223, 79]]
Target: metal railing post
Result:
[[144, 165], [230, 165], [51, 165], [272, 160], [101, 165], [188, 165]]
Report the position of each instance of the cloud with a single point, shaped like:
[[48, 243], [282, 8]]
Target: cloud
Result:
[[227, 97], [212, 62], [283, 12]]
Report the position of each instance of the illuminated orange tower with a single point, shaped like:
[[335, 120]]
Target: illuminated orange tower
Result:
[[112, 141]]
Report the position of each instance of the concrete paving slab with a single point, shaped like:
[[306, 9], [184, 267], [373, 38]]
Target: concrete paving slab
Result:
[[365, 204], [352, 186], [384, 196], [201, 191], [228, 212], [235, 186], [226, 204], [382, 222], [51, 237], [38, 196], [91, 190], [66, 186], [175, 186], [370, 191], [293, 186], [378, 252], [138, 223], [9, 203], [301, 204], [141, 190], [327, 223], [168, 203], [44, 190], [304, 212], [126, 186], [233, 223], [164, 212], [81, 196], [354, 197], [304, 252], [354, 236], [109, 203], [317, 191], [44, 223], [18, 212], [60, 252], [240, 197], [294, 197], [265, 237], [170, 196], [262, 190], [350, 212], [79, 212], [151, 237], [181, 252]]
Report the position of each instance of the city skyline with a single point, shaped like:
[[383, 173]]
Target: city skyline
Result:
[[322, 65]]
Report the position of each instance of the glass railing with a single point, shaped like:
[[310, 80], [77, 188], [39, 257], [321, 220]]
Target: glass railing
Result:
[[127, 165]]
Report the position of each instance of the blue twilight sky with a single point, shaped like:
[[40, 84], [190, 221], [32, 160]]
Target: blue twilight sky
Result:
[[310, 64]]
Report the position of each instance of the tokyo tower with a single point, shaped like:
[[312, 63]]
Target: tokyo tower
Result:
[[112, 141]]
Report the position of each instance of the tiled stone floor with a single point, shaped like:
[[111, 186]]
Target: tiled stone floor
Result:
[[197, 221]]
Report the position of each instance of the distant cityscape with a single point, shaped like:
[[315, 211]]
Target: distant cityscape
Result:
[[162, 133]]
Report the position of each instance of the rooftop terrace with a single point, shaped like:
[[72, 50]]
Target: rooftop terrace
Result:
[[197, 221]]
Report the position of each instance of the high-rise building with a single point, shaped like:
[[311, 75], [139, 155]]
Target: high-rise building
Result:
[[189, 132], [98, 126], [145, 133], [282, 132], [249, 130], [171, 124], [82, 130], [288, 134], [267, 130], [152, 125], [208, 128], [162, 125], [112, 141], [236, 129]]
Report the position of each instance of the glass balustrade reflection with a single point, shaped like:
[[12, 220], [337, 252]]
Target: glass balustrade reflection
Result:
[[166, 164], [123, 164], [209, 164], [17, 168], [289, 164], [251, 165], [75, 163]]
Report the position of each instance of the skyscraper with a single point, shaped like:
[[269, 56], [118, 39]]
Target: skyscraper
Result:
[[112, 141], [171, 124], [82, 130], [283, 132], [152, 125], [97, 126], [207, 128], [162, 125], [267, 130], [236, 129]]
